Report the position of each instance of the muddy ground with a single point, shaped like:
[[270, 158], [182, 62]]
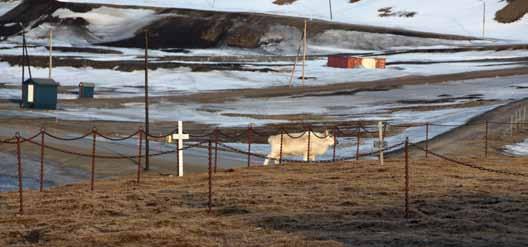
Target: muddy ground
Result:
[[349, 204]]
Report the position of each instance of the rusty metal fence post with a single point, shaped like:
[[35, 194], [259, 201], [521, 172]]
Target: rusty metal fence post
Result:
[[281, 145], [94, 139], [210, 201], [20, 175], [426, 140], [216, 136], [42, 135], [140, 154], [486, 140], [358, 140], [407, 177], [335, 145], [309, 143], [249, 140]]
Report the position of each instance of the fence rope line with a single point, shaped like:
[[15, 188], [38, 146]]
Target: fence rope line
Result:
[[345, 158], [473, 166], [200, 144], [117, 138]]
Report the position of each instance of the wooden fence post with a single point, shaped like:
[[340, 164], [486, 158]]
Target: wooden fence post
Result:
[[20, 175], [407, 177], [42, 135], [94, 139]]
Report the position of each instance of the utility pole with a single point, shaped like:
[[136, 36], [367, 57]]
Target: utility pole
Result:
[[147, 130], [484, 19], [50, 44], [304, 51], [330, 5]]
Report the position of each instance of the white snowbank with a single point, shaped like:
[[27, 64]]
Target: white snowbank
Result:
[[518, 149]]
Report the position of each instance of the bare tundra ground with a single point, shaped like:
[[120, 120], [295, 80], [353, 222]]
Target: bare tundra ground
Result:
[[347, 204]]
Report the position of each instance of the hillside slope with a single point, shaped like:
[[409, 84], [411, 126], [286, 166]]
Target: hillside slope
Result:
[[359, 204], [460, 17], [82, 24]]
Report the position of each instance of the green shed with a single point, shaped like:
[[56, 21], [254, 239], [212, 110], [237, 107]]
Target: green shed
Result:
[[39, 93], [86, 90]]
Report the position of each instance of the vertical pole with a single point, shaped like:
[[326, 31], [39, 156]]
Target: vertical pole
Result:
[[381, 143], [178, 157], [486, 140], [511, 125], [210, 201], [407, 177], [335, 145], [92, 179], [309, 143], [20, 185], [330, 6], [216, 149], [42, 135], [23, 58], [281, 145], [484, 19], [524, 118], [147, 129], [304, 50], [358, 140], [427, 140], [24, 46], [50, 43], [140, 157], [249, 140]]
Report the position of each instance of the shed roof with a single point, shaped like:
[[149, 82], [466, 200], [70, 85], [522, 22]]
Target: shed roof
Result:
[[86, 84], [42, 81]]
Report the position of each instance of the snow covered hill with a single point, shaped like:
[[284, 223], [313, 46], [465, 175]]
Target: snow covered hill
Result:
[[461, 17], [85, 24]]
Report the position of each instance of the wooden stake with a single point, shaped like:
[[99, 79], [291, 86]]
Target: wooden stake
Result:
[[147, 127], [295, 65]]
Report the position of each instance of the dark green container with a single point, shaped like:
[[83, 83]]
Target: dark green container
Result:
[[86, 90], [39, 93]]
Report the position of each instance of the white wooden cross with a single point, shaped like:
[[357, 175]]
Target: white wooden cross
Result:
[[180, 136]]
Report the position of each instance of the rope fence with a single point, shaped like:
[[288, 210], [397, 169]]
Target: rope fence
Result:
[[214, 142]]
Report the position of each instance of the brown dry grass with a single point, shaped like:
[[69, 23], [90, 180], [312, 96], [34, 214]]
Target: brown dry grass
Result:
[[352, 204]]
